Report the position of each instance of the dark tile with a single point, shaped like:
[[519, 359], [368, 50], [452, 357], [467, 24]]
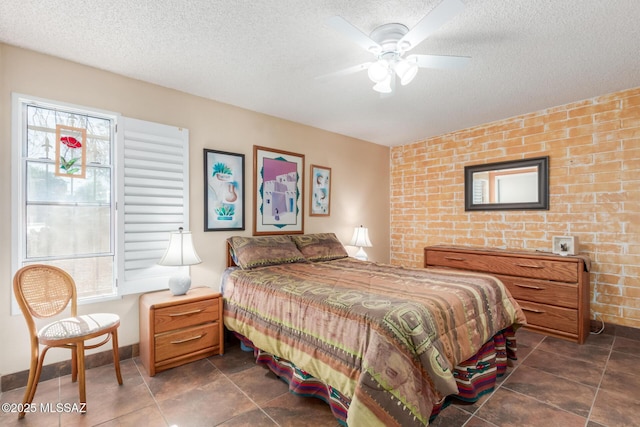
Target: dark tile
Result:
[[600, 340], [253, 418], [623, 363], [621, 382], [107, 404], [183, 378], [566, 367], [233, 360], [551, 389], [626, 345], [47, 394], [508, 408], [527, 338], [289, 410], [613, 409], [210, 404], [147, 416], [584, 352], [453, 416], [259, 383]]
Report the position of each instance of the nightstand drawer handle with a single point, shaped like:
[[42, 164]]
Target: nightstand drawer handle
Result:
[[186, 313], [452, 258], [530, 266], [187, 339], [537, 288], [532, 310]]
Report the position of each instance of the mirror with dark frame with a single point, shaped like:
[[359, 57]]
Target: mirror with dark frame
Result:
[[518, 184]]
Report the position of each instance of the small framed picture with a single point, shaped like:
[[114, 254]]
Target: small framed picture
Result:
[[320, 200], [565, 245]]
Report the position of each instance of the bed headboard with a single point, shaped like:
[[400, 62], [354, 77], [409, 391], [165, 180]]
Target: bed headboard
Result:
[[230, 261]]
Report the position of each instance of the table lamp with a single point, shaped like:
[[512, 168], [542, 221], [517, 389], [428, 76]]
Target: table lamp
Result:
[[360, 238], [180, 253]]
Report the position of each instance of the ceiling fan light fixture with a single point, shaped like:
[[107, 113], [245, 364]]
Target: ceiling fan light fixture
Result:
[[384, 86], [406, 71], [379, 71]]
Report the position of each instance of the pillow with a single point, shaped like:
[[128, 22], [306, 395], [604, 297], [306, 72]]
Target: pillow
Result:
[[251, 252], [320, 247]]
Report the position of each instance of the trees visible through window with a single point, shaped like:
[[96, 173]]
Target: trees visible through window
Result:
[[67, 195]]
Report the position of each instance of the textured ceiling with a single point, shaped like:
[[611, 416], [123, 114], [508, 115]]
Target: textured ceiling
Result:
[[265, 55]]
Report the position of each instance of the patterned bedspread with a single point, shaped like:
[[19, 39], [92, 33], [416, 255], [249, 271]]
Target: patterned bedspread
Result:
[[386, 337]]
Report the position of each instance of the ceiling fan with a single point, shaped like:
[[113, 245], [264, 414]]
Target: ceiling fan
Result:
[[389, 43]]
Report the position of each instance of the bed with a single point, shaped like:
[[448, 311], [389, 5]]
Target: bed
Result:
[[382, 344]]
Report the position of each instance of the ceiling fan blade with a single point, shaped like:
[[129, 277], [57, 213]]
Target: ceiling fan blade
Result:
[[440, 61], [355, 35], [346, 71], [430, 23]]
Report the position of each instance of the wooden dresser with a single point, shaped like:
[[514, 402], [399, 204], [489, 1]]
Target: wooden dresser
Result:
[[552, 290], [178, 329]]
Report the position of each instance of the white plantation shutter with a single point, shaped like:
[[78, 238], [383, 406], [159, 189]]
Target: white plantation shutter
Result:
[[153, 200]]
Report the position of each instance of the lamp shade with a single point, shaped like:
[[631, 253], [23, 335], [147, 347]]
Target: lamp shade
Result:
[[180, 251], [378, 71], [384, 86], [360, 237], [406, 71]]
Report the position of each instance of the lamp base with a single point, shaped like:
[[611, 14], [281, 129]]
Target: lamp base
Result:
[[361, 255], [179, 284]]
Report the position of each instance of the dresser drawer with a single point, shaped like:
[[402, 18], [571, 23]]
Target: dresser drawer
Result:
[[538, 268], [185, 341], [179, 316], [551, 317], [542, 291]]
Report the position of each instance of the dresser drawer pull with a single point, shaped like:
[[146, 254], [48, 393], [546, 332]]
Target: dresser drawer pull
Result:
[[187, 339], [537, 288], [186, 313], [452, 258], [532, 310], [530, 266]]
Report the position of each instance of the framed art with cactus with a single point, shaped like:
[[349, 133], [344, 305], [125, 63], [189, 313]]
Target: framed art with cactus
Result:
[[223, 190]]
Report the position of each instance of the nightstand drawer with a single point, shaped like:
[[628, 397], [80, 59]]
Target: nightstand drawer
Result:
[[185, 341], [542, 291], [183, 315]]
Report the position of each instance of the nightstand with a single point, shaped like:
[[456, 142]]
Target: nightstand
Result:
[[175, 330]]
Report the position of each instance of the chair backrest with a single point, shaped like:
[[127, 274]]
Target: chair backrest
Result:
[[44, 290]]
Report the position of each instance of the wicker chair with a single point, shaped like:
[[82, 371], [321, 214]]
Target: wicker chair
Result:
[[44, 291]]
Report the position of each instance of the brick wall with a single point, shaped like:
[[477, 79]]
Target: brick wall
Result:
[[594, 159]]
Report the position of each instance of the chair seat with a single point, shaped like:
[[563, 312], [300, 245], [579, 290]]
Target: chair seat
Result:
[[79, 326]]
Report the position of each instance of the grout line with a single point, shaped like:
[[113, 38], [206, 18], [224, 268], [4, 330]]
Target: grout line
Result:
[[604, 370], [243, 392], [499, 386]]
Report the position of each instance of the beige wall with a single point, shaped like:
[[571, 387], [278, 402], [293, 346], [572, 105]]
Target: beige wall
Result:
[[594, 172], [360, 171]]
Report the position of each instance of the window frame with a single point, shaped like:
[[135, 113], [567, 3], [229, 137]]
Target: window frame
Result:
[[156, 278]]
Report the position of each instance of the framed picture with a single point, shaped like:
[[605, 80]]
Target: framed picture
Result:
[[320, 199], [223, 190], [277, 189], [565, 245], [71, 151]]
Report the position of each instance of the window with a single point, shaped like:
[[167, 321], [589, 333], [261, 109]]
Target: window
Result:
[[96, 202]]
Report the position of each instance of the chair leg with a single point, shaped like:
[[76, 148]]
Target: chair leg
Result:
[[82, 391], [74, 364], [32, 382], [116, 355]]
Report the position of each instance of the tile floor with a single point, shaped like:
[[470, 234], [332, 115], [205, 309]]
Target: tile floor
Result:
[[554, 382]]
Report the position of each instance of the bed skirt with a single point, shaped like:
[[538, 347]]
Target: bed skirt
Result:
[[474, 377]]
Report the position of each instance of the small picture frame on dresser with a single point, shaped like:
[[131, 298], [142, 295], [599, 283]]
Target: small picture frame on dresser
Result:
[[565, 245]]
